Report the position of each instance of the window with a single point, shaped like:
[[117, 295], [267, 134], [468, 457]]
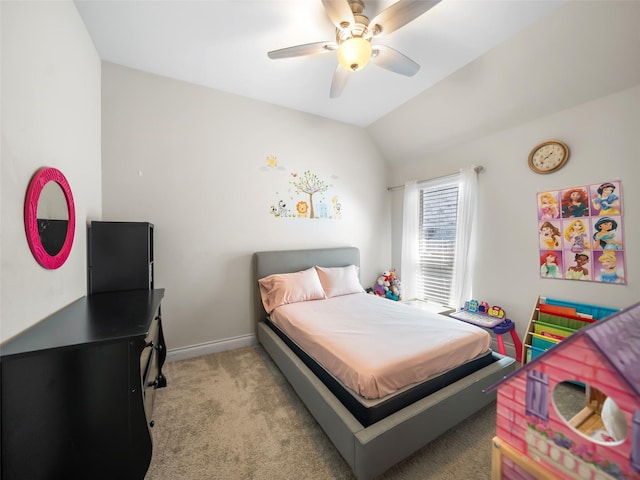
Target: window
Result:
[[438, 225], [438, 218]]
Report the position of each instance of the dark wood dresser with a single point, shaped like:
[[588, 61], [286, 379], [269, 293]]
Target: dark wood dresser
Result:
[[78, 387], [78, 390]]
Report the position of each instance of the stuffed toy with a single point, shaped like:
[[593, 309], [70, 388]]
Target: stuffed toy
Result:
[[388, 285], [382, 285], [394, 288]]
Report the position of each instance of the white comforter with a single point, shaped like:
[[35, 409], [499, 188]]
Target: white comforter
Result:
[[376, 346]]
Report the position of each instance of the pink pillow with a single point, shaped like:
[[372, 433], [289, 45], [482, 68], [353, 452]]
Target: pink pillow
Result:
[[282, 288], [339, 280]]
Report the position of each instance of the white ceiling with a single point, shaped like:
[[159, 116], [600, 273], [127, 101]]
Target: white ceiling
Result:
[[223, 44]]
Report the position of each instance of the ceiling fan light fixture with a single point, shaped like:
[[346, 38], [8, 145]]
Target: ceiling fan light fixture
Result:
[[354, 53]]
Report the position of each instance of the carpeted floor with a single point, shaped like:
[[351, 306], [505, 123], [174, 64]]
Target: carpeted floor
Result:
[[232, 415], [569, 399]]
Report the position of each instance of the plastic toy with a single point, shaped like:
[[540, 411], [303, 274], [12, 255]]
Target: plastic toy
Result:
[[483, 308], [602, 441]]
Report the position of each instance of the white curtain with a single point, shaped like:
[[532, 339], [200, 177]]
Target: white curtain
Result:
[[465, 238], [410, 226]]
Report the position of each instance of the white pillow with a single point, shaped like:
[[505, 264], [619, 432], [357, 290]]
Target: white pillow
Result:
[[283, 288], [339, 280]]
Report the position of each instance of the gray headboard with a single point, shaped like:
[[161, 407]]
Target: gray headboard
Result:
[[286, 261]]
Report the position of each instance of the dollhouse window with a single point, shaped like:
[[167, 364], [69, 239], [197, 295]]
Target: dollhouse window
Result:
[[591, 413], [537, 401]]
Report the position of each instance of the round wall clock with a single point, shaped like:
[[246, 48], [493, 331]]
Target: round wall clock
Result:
[[548, 157]]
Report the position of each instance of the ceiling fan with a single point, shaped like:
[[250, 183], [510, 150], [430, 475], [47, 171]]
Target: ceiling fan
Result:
[[355, 35]]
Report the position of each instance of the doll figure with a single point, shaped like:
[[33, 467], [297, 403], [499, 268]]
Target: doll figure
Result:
[[549, 265], [578, 271], [604, 238], [606, 202], [576, 233], [610, 273], [548, 206], [549, 236], [575, 203]]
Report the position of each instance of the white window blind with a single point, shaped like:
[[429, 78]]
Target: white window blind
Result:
[[437, 240]]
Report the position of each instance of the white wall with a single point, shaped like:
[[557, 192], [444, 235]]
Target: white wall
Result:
[[603, 138], [50, 117], [191, 160]]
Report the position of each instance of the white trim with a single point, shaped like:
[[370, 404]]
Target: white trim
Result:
[[182, 353]]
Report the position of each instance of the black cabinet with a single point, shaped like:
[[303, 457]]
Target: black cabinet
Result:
[[78, 387], [120, 256], [78, 390]]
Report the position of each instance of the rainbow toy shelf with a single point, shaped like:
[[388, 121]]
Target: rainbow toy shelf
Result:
[[553, 320]]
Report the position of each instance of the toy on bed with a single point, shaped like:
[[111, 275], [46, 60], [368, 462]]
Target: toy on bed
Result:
[[388, 286]]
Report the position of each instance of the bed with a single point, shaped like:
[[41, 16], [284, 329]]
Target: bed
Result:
[[375, 442]]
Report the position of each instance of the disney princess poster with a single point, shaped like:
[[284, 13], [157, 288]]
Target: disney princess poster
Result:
[[580, 233]]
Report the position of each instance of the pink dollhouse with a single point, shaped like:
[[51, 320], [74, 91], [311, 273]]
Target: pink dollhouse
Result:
[[535, 441]]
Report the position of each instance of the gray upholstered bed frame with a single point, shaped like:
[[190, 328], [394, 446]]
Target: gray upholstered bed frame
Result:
[[371, 450]]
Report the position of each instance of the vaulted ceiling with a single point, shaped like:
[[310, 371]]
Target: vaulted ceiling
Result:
[[485, 64], [223, 44]]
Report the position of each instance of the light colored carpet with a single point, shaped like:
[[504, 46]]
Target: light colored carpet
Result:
[[232, 415]]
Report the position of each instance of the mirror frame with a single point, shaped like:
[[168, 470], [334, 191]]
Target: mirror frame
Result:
[[37, 183]]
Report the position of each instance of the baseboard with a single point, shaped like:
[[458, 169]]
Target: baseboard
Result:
[[182, 353]]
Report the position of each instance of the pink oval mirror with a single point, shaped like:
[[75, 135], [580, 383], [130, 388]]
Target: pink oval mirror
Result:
[[49, 217]]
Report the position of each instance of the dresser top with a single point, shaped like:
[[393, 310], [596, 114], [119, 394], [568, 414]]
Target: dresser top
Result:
[[97, 318]]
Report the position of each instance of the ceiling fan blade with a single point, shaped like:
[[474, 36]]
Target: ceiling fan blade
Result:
[[339, 12], [393, 60], [302, 50], [398, 15], [339, 81]]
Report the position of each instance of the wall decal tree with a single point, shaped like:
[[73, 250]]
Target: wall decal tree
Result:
[[310, 184]]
